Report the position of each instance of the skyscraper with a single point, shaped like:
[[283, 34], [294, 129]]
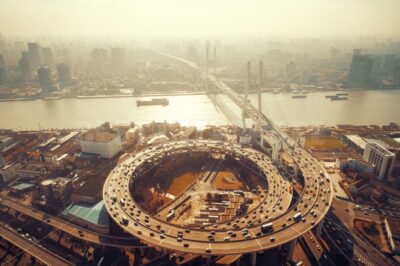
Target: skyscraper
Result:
[[96, 55], [44, 76], [25, 69], [48, 58], [64, 74], [360, 69], [2, 62], [3, 71], [35, 54]]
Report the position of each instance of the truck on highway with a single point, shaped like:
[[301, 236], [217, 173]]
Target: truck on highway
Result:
[[170, 216], [122, 202], [124, 220], [238, 192], [265, 228], [297, 216]]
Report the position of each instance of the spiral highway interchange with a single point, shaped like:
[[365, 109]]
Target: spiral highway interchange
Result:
[[288, 223]]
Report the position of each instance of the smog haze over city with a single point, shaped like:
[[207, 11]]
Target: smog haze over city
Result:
[[124, 19], [187, 132]]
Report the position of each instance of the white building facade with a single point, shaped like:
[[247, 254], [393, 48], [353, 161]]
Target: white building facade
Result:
[[382, 158], [105, 148]]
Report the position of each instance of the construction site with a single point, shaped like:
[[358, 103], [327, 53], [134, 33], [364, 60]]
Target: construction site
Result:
[[198, 189]]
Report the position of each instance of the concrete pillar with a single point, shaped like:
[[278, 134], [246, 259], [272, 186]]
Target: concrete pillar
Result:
[[245, 96], [259, 86], [319, 229], [207, 65], [276, 148], [243, 121], [292, 246], [296, 170], [247, 83], [253, 260]]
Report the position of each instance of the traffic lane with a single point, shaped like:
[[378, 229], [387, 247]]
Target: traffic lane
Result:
[[201, 234], [170, 241], [313, 179], [27, 246], [359, 245], [69, 228]]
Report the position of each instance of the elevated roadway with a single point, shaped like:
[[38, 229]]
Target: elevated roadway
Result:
[[312, 204], [70, 228], [42, 254]]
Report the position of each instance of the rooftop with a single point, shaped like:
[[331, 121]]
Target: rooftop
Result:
[[59, 181], [22, 186], [100, 135], [10, 165], [4, 138], [381, 149], [33, 167], [158, 139], [356, 139], [95, 214], [92, 188]]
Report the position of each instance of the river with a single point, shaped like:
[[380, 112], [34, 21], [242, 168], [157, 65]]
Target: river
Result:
[[361, 108]]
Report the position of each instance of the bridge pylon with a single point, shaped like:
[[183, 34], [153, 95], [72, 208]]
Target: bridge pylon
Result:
[[246, 92]]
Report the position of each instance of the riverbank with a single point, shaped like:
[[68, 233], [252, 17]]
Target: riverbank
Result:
[[175, 93], [181, 93]]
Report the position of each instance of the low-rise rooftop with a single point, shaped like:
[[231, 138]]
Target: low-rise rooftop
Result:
[[99, 135], [96, 214]]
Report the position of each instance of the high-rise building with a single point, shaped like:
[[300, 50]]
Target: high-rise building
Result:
[[381, 158], [3, 75], [360, 69], [48, 58], [389, 63], [376, 69], [25, 55], [290, 71], [35, 54], [397, 74], [25, 69], [2, 62], [3, 71], [64, 74], [44, 76]]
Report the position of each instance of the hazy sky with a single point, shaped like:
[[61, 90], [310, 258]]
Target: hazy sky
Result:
[[199, 18]]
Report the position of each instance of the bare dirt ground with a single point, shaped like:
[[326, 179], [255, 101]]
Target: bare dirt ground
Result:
[[227, 180], [181, 182]]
